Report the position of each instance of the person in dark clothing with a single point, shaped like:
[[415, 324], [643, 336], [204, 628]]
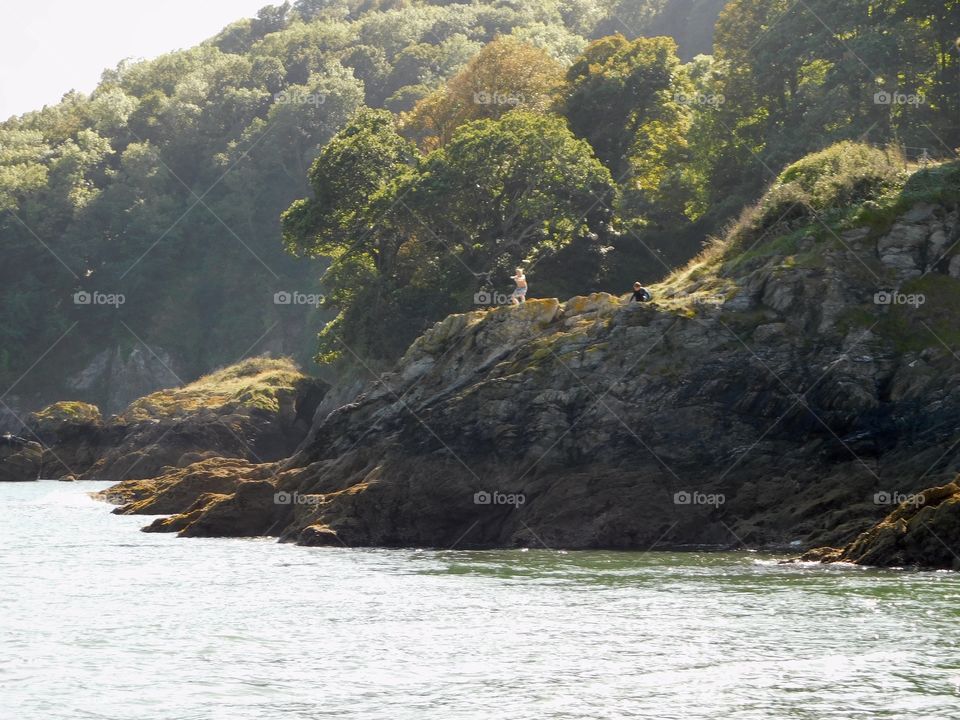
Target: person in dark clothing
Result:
[[640, 293]]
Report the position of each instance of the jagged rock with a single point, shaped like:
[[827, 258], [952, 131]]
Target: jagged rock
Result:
[[171, 492], [250, 510], [902, 249], [73, 434], [822, 555], [853, 237], [923, 531], [21, 460], [180, 521], [770, 332], [920, 213], [938, 241], [315, 535], [780, 295]]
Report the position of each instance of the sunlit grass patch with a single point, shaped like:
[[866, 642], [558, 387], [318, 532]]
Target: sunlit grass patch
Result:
[[252, 383]]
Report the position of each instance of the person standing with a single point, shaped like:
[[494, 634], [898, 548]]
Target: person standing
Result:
[[520, 294]]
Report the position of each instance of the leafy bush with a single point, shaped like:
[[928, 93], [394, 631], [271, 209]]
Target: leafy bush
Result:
[[782, 204], [844, 174], [821, 185]]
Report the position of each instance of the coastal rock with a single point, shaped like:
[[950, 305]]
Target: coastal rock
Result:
[[179, 488], [73, 434], [258, 410], [601, 423], [822, 555], [318, 535], [923, 531], [249, 511], [21, 460]]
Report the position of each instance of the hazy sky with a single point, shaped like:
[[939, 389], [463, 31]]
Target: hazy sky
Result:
[[48, 47]]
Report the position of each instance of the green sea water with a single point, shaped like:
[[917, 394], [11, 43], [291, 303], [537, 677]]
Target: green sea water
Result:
[[101, 621]]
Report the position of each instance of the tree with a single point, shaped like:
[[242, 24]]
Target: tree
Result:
[[505, 191], [411, 244], [347, 177], [615, 87], [505, 75], [629, 100]]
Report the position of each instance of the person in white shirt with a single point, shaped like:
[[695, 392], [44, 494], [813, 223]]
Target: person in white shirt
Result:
[[520, 294]]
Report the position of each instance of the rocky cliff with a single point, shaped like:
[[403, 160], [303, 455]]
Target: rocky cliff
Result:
[[786, 389], [257, 410]]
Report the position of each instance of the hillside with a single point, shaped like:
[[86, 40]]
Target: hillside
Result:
[[786, 389], [140, 224]]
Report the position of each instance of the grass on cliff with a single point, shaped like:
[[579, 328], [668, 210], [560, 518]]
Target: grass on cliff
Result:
[[253, 383], [827, 188], [818, 198]]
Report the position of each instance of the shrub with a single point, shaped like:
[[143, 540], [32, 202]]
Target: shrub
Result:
[[822, 184], [844, 174]]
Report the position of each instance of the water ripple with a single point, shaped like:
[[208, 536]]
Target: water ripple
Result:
[[100, 621]]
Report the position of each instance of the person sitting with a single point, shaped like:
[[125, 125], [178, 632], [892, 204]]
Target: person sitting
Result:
[[640, 293]]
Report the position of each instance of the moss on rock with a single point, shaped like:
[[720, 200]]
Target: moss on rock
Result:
[[257, 383], [54, 417]]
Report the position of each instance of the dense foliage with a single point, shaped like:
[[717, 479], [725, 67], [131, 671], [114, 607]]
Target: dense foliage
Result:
[[411, 244], [165, 185]]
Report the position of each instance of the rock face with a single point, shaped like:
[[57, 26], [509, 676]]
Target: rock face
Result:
[[920, 240], [764, 398], [73, 435], [924, 531], [258, 410], [20, 459], [121, 376]]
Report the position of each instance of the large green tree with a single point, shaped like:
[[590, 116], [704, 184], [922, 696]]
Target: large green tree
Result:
[[410, 244], [628, 100]]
